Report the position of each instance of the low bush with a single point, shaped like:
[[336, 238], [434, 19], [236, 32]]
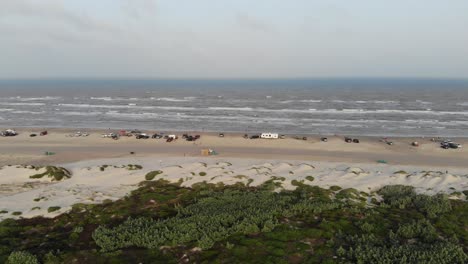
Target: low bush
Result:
[[22, 257], [53, 209], [151, 175]]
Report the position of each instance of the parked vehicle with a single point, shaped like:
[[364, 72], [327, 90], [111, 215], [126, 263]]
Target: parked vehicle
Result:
[[81, 134], [43, 133], [221, 135], [269, 136], [125, 133], [348, 140], [355, 140], [111, 135], [157, 136], [142, 136], [254, 136], [454, 145], [174, 137], [324, 139], [8, 133], [192, 138], [246, 136], [134, 132]]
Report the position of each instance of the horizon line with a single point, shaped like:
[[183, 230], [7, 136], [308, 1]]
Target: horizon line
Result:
[[236, 79]]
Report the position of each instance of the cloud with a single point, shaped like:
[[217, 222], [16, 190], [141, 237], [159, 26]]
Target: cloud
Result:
[[252, 23], [51, 12], [139, 8]]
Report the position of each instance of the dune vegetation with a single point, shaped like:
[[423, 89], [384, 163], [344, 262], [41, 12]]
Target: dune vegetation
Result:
[[56, 173], [162, 222]]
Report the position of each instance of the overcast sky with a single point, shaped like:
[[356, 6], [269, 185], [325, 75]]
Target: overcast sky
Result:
[[233, 38]]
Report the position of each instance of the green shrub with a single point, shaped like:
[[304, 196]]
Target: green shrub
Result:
[[17, 213], [3, 212], [349, 193], [211, 219], [151, 175], [398, 196], [202, 173], [22, 257], [53, 209], [310, 178]]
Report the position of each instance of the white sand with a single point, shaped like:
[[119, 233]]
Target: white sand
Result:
[[91, 185]]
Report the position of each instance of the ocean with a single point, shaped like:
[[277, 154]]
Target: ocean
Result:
[[373, 107]]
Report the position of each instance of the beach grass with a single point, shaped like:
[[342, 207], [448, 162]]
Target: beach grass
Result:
[[56, 173]]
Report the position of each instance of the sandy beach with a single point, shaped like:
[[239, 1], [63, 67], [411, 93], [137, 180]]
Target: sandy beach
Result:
[[24, 149], [102, 169]]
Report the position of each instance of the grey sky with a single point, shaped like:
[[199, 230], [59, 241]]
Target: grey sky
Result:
[[233, 39]]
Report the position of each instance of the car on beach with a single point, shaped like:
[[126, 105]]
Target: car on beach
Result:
[[142, 136], [110, 135], [254, 136], [157, 136], [8, 133], [454, 145]]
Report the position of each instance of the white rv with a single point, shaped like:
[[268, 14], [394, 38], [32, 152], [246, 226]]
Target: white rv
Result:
[[269, 135]]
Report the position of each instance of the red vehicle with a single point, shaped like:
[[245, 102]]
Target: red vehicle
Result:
[[43, 133]]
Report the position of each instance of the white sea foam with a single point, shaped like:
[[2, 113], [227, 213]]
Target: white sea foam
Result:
[[233, 108], [27, 112], [106, 106], [102, 98], [170, 99], [44, 98], [22, 104], [72, 113]]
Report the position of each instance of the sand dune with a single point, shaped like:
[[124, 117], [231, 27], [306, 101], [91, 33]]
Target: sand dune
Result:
[[95, 181]]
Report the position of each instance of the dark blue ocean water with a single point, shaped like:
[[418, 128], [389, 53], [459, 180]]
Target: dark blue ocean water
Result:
[[384, 107]]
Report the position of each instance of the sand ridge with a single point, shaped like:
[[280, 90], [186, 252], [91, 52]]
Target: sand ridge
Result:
[[95, 181]]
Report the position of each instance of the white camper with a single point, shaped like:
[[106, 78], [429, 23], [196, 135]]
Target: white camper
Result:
[[269, 135]]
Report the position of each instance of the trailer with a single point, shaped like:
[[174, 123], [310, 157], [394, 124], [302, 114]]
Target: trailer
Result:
[[269, 135]]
